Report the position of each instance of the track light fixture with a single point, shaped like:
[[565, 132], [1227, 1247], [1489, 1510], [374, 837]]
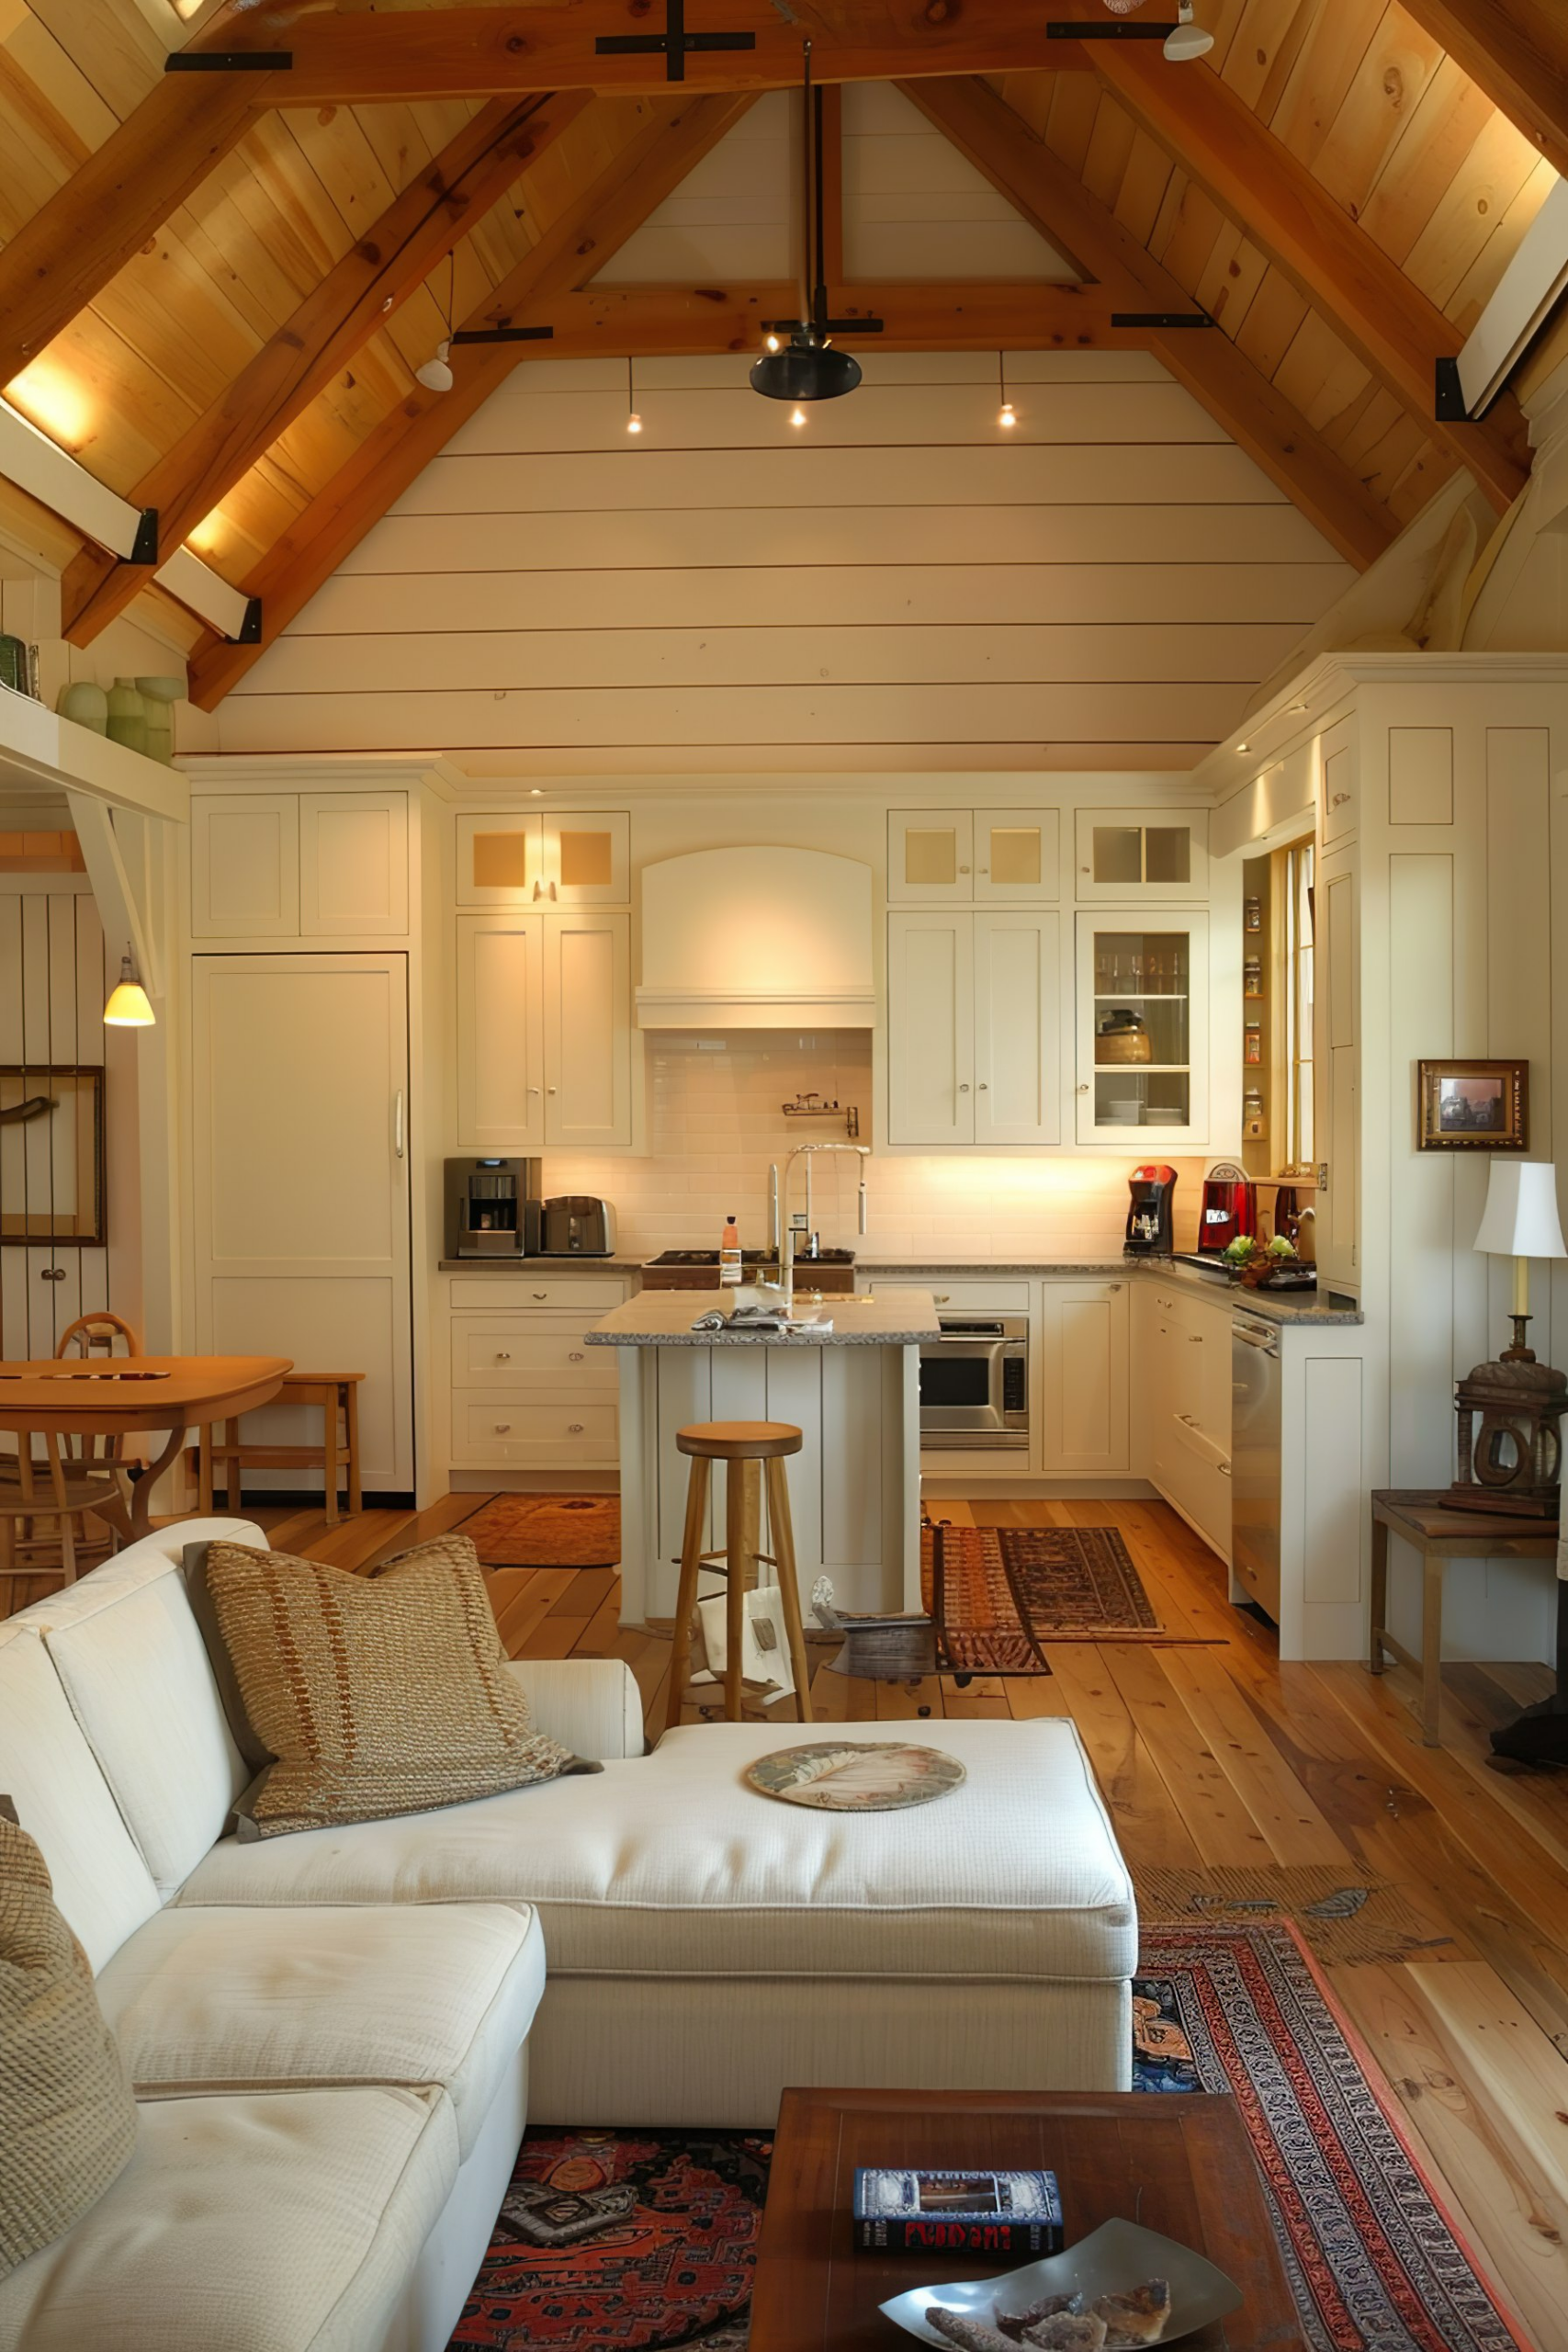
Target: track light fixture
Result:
[[806, 366], [634, 421], [436, 375], [1187, 39]]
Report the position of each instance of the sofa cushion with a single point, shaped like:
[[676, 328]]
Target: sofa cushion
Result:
[[671, 1862], [67, 2118], [235, 2000], [271, 2221], [136, 1669], [377, 1695], [101, 1882]]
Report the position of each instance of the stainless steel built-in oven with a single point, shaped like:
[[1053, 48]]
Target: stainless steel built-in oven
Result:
[[975, 1384]]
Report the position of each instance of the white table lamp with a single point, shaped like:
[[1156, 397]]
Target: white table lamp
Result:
[[1520, 1221]]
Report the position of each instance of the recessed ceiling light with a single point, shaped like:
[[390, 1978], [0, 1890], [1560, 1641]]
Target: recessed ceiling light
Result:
[[1244, 746]]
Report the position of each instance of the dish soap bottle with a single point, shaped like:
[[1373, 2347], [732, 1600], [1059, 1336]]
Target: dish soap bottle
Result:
[[731, 1266]]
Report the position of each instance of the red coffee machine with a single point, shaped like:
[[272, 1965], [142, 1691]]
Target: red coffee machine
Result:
[[1150, 1229], [1229, 1210]]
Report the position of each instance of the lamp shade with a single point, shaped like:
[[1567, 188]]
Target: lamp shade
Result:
[[128, 1007], [1520, 1218]]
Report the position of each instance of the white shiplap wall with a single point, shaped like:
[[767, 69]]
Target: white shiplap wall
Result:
[[899, 585]]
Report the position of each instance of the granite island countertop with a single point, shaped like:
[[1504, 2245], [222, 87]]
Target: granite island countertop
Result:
[[663, 1318]]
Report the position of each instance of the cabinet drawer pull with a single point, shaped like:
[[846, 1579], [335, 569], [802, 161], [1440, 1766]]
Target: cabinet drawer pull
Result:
[[576, 1356], [1339, 799], [1194, 1339], [943, 1296], [541, 1294], [574, 1429], [985, 1086], [1224, 1468], [503, 1355], [503, 1429], [964, 1086]]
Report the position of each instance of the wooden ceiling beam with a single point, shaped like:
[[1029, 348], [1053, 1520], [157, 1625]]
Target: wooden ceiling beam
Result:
[[351, 58], [336, 319], [647, 169], [1516, 51], [1274, 200], [979, 315], [67, 252], [1236, 393]]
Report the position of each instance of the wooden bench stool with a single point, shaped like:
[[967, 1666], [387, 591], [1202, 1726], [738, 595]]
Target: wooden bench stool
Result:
[[337, 1394], [751, 1450]]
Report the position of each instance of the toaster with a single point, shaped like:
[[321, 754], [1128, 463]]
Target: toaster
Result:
[[577, 1225]]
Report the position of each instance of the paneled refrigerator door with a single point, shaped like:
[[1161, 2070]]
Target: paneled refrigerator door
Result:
[[299, 1118]]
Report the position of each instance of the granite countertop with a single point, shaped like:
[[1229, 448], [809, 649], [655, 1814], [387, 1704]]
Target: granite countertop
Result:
[[663, 1318], [537, 1266], [1273, 1306]]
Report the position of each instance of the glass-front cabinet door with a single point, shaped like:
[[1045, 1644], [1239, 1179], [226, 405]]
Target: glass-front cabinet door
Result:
[[1129, 854], [1142, 1064], [579, 857], [1017, 856], [1006, 857]]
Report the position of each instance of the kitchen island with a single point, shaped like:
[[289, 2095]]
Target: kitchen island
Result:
[[850, 1384]]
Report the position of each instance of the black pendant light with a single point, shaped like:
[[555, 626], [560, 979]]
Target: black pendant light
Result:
[[807, 366]]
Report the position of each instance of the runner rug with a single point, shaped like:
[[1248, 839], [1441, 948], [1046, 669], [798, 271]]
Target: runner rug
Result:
[[645, 2241], [548, 1532], [1000, 1594]]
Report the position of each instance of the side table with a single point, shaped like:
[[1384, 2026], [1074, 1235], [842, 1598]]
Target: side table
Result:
[[1438, 1536]]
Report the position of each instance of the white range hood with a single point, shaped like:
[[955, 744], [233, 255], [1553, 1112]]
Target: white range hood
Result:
[[756, 939]]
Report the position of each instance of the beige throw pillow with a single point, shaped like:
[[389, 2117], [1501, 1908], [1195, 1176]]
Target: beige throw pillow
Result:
[[376, 1695], [67, 2117]]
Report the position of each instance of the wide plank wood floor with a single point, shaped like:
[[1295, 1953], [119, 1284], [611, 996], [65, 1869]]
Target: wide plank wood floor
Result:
[[1218, 1756]]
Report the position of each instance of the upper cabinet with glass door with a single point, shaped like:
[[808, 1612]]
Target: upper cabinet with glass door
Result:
[[973, 857], [1128, 854], [577, 857], [1143, 1056]]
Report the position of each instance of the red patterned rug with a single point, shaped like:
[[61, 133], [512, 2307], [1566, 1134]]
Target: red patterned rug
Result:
[[999, 1594], [546, 1531], [645, 2241]]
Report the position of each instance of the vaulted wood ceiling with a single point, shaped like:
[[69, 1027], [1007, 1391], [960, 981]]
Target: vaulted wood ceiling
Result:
[[215, 286]]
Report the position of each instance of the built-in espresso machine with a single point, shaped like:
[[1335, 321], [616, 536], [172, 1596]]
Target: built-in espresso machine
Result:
[[493, 1209]]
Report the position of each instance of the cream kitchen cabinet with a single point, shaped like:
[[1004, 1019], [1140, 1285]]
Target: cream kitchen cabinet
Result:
[[973, 1000], [1084, 1336], [1143, 983], [1337, 796], [544, 1032], [974, 856], [300, 865], [571, 858], [1182, 1346], [1136, 855], [528, 1391]]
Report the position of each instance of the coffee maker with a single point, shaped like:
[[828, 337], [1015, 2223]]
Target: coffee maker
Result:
[[493, 1208], [1229, 1212], [1150, 1220]]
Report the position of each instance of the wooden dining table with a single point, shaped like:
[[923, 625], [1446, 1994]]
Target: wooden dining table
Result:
[[116, 1397]]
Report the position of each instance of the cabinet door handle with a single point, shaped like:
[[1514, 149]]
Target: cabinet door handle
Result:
[[985, 1086], [574, 1429], [503, 1429], [964, 869], [1114, 1288], [503, 1355], [964, 1086], [1339, 799], [533, 1090], [576, 1356], [1224, 1468], [1194, 1339], [943, 1298], [538, 890], [398, 1124], [550, 1090], [1084, 1088]]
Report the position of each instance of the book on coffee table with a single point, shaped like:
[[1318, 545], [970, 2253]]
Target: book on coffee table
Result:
[[1015, 2213]]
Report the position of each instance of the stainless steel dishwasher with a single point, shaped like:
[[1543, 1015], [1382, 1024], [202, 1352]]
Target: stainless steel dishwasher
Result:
[[1255, 1459]]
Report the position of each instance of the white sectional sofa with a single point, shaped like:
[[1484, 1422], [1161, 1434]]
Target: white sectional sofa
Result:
[[335, 2037]]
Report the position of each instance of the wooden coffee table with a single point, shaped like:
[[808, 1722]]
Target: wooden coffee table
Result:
[[1179, 2162]]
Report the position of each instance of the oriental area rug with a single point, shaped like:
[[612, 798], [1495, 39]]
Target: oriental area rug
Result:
[[548, 1532], [998, 1595], [645, 2241]]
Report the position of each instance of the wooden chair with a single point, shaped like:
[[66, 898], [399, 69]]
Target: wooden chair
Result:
[[751, 1450], [74, 1473], [337, 1395], [61, 1489]]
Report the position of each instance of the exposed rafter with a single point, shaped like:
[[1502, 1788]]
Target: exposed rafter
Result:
[[631, 186], [334, 321], [1274, 200], [1236, 395], [1516, 51]]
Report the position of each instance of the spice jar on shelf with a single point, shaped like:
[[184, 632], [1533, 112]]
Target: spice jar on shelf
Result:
[[1252, 975], [1254, 1037], [1252, 914]]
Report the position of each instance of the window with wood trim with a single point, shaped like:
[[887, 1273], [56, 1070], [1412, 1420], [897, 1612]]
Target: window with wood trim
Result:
[[1297, 992]]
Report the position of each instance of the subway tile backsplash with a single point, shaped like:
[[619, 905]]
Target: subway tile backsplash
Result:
[[715, 1120]]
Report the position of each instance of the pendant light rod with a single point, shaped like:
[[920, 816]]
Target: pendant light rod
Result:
[[809, 162]]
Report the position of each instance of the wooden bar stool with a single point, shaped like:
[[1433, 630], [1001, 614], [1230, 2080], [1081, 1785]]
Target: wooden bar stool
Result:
[[751, 1450], [337, 1394]]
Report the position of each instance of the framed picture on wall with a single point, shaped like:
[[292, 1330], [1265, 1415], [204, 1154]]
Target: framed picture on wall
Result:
[[1473, 1106], [52, 1155]]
